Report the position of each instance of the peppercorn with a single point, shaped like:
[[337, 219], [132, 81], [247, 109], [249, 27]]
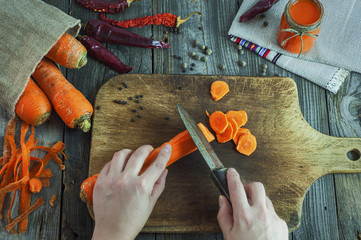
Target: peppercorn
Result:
[[264, 66], [239, 47], [203, 47], [191, 68], [130, 98], [263, 15], [120, 88], [192, 54], [167, 118], [196, 43], [204, 59], [133, 119], [116, 101], [134, 110], [200, 28], [141, 107], [125, 84], [98, 107], [139, 116], [124, 102], [222, 66], [181, 88], [193, 64], [165, 32], [138, 101], [179, 58], [197, 58], [263, 74], [265, 24], [241, 52], [184, 65], [209, 51], [242, 63], [277, 75], [141, 95]]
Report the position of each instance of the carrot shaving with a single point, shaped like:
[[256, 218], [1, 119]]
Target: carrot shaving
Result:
[[10, 131], [52, 200], [22, 171], [23, 216], [14, 185]]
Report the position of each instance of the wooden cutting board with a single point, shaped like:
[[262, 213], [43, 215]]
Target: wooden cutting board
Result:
[[289, 157]]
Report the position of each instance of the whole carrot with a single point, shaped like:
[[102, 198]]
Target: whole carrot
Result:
[[33, 106], [70, 104], [68, 52]]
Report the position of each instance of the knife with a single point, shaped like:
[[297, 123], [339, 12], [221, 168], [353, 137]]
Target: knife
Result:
[[218, 171]]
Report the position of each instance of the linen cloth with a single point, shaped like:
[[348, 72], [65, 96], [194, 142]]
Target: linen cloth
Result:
[[28, 30], [336, 52]]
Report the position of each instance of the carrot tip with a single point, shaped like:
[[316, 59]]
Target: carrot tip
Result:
[[85, 125], [82, 61]]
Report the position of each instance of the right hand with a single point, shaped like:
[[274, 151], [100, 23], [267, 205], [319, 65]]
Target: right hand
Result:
[[251, 216]]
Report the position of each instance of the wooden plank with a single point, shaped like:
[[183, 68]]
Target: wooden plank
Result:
[[76, 222], [343, 115]]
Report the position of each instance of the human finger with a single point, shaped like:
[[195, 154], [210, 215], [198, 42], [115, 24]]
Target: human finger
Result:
[[136, 160], [256, 193], [224, 216], [159, 186], [118, 162], [157, 167], [269, 203], [236, 191], [105, 170]]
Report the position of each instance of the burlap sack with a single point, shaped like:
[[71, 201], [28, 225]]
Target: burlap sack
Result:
[[28, 30]]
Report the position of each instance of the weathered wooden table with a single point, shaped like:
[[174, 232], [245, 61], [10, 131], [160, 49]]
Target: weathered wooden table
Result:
[[332, 207]]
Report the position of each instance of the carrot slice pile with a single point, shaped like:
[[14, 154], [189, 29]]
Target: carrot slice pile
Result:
[[229, 127], [219, 89], [22, 171]]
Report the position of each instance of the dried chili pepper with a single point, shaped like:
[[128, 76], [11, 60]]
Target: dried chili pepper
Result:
[[98, 51], [115, 6], [163, 19], [260, 7], [107, 33]]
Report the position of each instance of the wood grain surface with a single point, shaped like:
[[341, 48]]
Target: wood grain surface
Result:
[[290, 156]]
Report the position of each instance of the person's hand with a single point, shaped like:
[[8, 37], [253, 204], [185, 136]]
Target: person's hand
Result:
[[251, 216], [123, 201]]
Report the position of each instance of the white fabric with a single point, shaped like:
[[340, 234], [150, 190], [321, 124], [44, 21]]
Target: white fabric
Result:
[[337, 49]]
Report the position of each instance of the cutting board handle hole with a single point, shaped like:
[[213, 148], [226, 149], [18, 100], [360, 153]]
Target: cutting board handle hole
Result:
[[354, 154]]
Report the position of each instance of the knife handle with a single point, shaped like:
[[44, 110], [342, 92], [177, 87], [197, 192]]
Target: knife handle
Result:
[[219, 177]]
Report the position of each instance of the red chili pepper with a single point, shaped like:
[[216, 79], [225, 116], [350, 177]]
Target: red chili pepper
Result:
[[98, 51], [115, 6], [164, 19], [107, 33], [260, 7]]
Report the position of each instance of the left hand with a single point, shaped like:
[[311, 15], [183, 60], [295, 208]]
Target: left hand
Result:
[[123, 201]]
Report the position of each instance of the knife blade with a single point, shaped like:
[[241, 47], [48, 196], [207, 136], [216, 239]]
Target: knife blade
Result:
[[218, 171]]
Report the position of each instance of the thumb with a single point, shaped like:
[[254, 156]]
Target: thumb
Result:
[[225, 215], [159, 186]]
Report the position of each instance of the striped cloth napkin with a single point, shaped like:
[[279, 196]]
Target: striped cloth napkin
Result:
[[335, 53]]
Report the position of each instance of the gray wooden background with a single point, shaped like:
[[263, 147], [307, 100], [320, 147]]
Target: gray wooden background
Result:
[[332, 207]]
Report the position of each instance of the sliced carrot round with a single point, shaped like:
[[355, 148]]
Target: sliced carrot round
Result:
[[219, 89], [218, 122], [234, 125], [247, 144], [240, 117], [239, 132], [226, 135]]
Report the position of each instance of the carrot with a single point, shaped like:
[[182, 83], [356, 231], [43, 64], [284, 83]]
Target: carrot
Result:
[[218, 122], [240, 117], [35, 185], [247, 144], [182, 145], [70, 104], [239, 132], [68, 52], [52, 200], [234, 125], [226, 135], [33, 106], [207, 113], [25, 214], [219, 89]]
